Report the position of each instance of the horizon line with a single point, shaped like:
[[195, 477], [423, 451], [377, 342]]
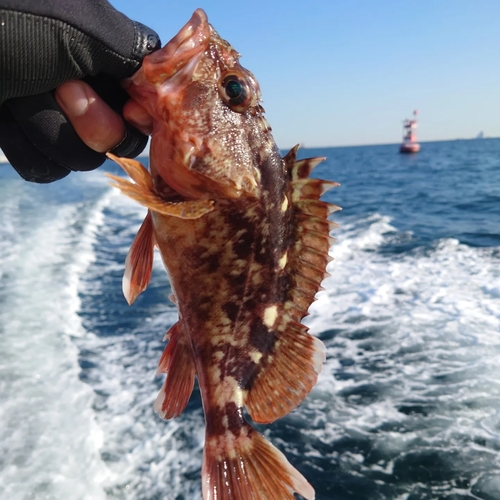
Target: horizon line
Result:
[[305, 146]]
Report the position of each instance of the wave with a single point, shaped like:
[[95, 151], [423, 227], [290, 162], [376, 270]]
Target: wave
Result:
[[406, 404], [49, 439], [409, 396], [146, 457], [404, 331]]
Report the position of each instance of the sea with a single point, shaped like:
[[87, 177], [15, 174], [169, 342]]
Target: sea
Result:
[[407, 406]]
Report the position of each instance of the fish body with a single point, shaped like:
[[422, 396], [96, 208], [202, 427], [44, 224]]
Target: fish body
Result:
[[245, 241]]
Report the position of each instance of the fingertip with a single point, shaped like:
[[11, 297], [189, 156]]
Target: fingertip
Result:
[[73, 98]]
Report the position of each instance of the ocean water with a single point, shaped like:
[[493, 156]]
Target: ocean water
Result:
[[406, 408]]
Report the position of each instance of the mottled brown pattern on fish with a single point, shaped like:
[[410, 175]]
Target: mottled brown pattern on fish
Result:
[[225, 418], [249, 242], [254, 299], [240, 300], [244, 237]]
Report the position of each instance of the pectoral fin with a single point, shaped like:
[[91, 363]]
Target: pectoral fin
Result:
[[143, 191], [139, 262]]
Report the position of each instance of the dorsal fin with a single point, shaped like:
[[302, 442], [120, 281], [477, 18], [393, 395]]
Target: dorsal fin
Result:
[[288, 374], [290, 371], [300, 169], [309, 256]]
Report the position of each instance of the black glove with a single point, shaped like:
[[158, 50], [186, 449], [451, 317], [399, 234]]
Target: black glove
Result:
[[44, 43]]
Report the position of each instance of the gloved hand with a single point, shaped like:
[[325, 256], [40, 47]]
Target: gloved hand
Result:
[[44, 44]]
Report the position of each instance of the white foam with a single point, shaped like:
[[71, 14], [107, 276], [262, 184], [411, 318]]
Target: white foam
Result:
[[412, 345], [147, 457], [49, 440], [402, 322], [419, 329]]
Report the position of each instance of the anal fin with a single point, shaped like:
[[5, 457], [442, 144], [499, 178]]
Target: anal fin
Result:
[[177, 362]]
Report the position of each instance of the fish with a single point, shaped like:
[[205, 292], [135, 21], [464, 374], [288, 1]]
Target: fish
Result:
[[244, 237]]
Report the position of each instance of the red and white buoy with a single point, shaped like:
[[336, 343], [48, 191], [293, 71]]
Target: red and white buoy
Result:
[[410, 144]]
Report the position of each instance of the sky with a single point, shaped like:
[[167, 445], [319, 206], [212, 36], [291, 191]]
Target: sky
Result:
[[347, 72]]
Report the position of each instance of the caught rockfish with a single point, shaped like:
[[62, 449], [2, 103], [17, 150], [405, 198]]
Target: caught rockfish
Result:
[[245, 241]]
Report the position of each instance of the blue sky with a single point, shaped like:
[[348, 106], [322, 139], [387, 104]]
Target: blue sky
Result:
[[347, 72]]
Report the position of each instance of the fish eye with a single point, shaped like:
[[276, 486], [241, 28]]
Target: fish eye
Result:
[[235, 93]]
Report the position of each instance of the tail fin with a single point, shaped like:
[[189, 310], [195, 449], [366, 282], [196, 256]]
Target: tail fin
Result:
[[248, 467]]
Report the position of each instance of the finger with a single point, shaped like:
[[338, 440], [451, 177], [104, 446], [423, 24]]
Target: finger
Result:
[[40, 119], [97, 125], [135, 114]]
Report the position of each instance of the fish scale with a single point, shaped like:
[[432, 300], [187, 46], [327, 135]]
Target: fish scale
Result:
[[245, 239]]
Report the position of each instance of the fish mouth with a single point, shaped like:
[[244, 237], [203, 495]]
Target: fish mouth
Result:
[[190, 36], [178, 154], [174, 64]]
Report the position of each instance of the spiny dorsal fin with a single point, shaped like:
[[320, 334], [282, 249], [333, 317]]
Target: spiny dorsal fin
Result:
[[309, 255], [300, 169], [143, 191], [290, 371], [309, 188], [308, 258]]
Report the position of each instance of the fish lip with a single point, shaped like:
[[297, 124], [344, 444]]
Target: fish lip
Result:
[[189, 36], [191, 41]]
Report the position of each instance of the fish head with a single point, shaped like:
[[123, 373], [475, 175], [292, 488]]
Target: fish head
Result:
[[208, 124]]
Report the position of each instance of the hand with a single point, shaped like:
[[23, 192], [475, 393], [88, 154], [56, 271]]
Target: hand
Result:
[[50, 122], [97, 125]]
